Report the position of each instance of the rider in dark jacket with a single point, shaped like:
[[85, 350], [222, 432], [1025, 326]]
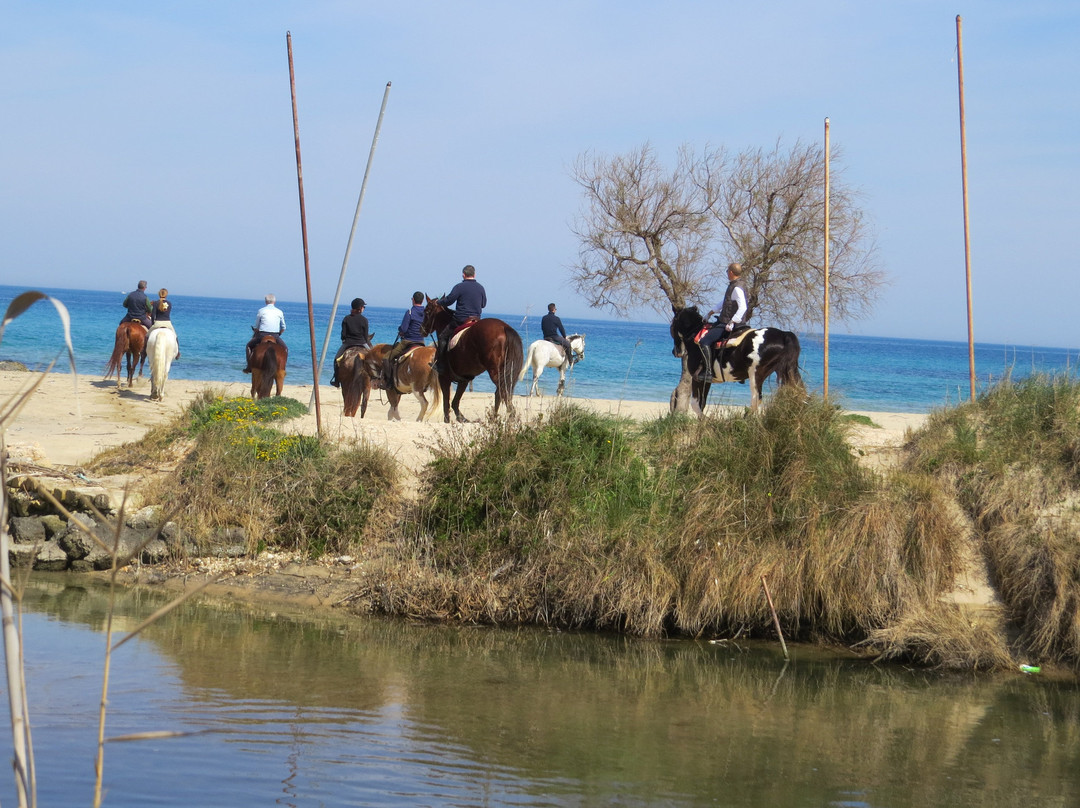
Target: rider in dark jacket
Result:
[[552, 327], [470, 299], [138, 307], [354, 333], [408, 335]]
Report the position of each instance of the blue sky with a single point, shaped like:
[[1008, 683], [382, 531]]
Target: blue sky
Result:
[[155, 140]]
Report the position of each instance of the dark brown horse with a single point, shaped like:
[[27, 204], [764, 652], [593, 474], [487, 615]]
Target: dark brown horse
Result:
[[412, 373], [485, 345], [355, 381], [130, 343], [268, 360]]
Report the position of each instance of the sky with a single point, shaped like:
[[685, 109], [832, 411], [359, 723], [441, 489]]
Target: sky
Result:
[[155, 141]]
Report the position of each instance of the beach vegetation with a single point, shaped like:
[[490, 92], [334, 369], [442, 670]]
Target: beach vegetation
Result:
[[1011, 458], [586, 520]]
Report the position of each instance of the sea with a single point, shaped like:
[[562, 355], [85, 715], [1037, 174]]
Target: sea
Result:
[[623, 360]]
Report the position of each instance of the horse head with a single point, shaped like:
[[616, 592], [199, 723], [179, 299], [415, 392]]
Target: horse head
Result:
[[684, 325], [577, 345], [435, 316]]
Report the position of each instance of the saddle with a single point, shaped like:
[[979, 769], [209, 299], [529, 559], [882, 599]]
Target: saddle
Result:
[[461, 329]]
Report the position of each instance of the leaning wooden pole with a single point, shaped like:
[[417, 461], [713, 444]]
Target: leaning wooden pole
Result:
[[352, 234], [775, 619], [303, 232], [967, 228], [825, 304]]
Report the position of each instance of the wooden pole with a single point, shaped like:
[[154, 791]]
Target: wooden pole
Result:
[[825, 389], [303, 232], [967, 228], [352, 233], [775, 619]]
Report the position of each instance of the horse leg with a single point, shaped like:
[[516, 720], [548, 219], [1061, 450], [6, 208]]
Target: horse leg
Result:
[[279, 380], [756, 381], [538, 371], [394, 397], [256, 378], [457, 400], [562, 379], [444, 386]]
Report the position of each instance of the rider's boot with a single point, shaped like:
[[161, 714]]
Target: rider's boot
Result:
[[706, 371]]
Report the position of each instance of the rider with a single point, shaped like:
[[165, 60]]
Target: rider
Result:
[[354, 333], [269, 321], [161, 315], [408, 335], [470, 299], [553, 330], [137, 306], [731, 310]]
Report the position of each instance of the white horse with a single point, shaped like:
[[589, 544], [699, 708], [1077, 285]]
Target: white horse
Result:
[[161, 350], [544, 354]]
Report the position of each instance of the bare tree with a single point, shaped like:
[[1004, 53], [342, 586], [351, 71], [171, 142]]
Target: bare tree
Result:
[[771, 211], [663, 240], [645, 234]]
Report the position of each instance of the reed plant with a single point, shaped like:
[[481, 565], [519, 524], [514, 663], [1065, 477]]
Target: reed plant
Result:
[[1012, 457]]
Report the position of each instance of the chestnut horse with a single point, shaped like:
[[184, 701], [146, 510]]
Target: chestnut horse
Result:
[[412, 373], [354, 379], [130, 343], [268, 360], [484, 345]]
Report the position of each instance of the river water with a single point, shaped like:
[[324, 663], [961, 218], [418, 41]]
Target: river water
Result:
[[299, 709]]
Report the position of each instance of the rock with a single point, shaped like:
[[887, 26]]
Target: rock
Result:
[[148, 517], [77, 541], [27, 530], [51, 558], [21, 555], [53, 525], [154, 552], [11, 364]]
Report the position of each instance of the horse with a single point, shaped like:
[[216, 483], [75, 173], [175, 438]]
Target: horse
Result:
[[412, 373], [752, 355], [268, 360], [546, 354], [162, 348], [488, 345], [354, 380], [131, 343]]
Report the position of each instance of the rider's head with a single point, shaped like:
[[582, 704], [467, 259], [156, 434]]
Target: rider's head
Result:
[[417, 298], [163, 293], [551, 307], [469, 271], [142, 285], [734, 270], [358, 303], [270, 300]]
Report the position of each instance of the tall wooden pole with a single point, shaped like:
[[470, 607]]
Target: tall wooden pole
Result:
[[967, 229], [825, 391], [352, 234], [303, 232]]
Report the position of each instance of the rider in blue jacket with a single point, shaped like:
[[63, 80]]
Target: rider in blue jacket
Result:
[[469, 299]]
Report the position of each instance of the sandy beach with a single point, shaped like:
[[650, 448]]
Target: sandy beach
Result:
[[67, 420]]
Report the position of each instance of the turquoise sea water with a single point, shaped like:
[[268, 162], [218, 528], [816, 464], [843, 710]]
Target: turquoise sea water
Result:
[[624, 360]]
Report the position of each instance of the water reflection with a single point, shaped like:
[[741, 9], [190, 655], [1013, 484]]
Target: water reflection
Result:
[[331, 710]]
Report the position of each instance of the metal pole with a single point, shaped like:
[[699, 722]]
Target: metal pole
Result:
[[825, 391], [352, 233], [967, 229], [303, 231]]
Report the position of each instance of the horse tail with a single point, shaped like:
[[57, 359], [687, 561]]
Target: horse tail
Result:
[[787, 369], [526, 364], [269, 368], [514, 363], [119, 349]]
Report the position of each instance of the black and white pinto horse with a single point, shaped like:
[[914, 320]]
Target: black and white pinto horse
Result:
[[546, 354], [753, 355]]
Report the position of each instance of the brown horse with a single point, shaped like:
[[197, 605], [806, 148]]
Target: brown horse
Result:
[[130, 343], [355, 382], [485, 345], [412, 373], [268, 360]]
